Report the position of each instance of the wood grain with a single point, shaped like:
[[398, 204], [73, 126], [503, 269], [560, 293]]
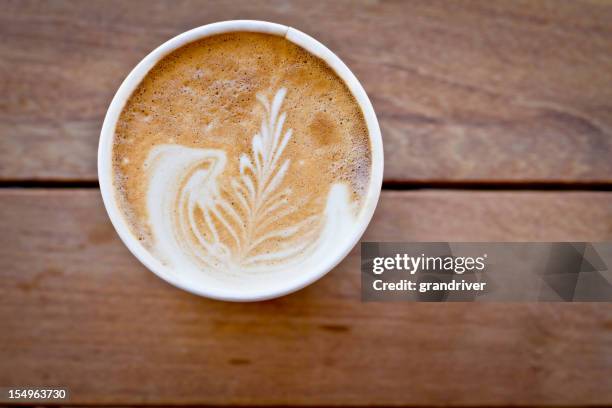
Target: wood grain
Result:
[[465, 90], [77, 310]]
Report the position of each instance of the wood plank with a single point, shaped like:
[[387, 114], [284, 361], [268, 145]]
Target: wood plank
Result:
[[77, 310], [465, 90]]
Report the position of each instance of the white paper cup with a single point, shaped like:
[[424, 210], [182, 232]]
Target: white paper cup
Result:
[[203, 286]]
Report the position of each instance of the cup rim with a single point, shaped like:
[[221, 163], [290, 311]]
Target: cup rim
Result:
[[135, 77]]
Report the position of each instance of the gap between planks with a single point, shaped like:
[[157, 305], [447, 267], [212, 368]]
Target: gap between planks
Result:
[[391, 185]]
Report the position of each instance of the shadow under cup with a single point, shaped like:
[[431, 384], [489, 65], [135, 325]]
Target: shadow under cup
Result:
[[258, 286]]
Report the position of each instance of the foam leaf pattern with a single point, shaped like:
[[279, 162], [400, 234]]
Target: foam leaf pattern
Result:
[[242, 225]]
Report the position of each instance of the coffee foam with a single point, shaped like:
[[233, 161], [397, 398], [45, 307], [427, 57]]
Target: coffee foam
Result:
[[191, 144]]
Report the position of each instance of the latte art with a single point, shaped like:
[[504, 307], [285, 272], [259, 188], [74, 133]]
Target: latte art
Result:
[[196, 226], [241, 155]]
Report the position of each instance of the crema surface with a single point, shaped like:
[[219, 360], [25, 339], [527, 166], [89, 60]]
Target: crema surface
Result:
[[240, 153]]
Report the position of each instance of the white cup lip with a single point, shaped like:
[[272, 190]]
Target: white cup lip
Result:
[[133, 80]]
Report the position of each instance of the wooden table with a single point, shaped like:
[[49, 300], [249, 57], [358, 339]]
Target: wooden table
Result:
[[497, 123]]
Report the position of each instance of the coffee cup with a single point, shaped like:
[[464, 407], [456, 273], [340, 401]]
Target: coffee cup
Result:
[[234, 286]]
